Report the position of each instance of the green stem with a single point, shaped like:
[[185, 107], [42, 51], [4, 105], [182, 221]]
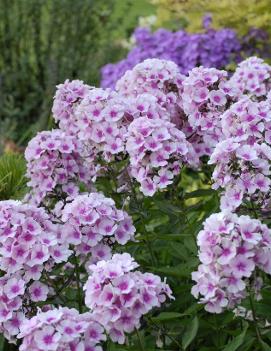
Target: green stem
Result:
[[139, 208], [79, 295], [66, 283], [254, 209], [10, 347], [254, 318], [153, 258], [163, 331], [140, 341], [52, 284]]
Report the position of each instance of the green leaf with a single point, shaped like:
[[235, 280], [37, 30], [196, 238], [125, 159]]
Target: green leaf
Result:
[[179, 250], [190, 333], [179, 271], [237, 341], [247, 344], [199, 193], [168, 208], [265, 347], [2, 343], [156, 222], [12, 176], [194, 308], [263, 309], [166, 316], [171, 237]]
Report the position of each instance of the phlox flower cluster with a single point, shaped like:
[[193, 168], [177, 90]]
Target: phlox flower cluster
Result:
[[243, 159], [118, 296], [231, 248], [106, 124], [28, 247], [61, 329], [68, 96], [153, 89], [158, 77], [28, 238], [206, 94], [92, 223], [252, 77], [55, 162], [246, 119], [157, 150], [100, 119]]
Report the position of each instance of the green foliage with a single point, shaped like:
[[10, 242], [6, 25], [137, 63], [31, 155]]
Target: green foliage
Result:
[[167, 226], [12, 177], [237, 341], [238, 14], [190, 333], [45, 42]]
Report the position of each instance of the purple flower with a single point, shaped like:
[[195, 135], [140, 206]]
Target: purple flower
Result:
[[212, 48]]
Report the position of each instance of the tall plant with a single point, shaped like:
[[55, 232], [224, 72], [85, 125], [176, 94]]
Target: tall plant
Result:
[[173, 170], [43, 43]]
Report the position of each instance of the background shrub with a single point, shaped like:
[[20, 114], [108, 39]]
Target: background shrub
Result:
[[238, 14], [45, 42]]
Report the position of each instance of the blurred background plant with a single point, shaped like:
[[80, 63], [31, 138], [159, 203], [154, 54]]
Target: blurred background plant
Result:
[[220, 48], [186, 33], [43, 43], [12, 177], [241, 15]]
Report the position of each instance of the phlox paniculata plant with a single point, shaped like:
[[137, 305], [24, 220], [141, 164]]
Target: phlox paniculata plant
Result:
[[34, 251], [67, 283]]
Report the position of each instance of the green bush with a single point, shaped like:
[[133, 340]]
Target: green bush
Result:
[[12, 177], [44, 42]]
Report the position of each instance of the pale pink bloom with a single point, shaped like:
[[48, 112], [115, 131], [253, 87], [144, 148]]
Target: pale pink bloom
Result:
[[38, 291], [14, 287], [227, 253], [230, 250], [119, 297], [47, 339], [242, 266]]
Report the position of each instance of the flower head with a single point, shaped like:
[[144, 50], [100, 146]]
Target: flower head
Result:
[[118, 297], [230, 248]]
